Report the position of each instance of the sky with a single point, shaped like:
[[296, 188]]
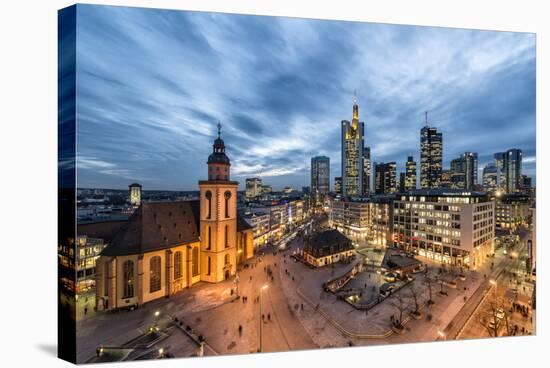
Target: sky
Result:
[[153, 84]]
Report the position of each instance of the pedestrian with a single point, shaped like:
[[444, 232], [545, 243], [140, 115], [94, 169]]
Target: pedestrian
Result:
[[263, 317], [85, 310], [244, 298], [302, 306], [269, 316], [240, 330]]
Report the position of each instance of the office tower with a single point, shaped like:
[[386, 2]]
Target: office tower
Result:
[[410, 174], [500, 159], [431, 156], [366, 171], [352, 141], [338, 185], [320, 174], [490, 178], [512, 166], [385, 178], [464, 171], [253, 188], [402, 182], [135, 194]]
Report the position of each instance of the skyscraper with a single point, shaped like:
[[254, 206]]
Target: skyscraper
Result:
[[352, 154], [402, 182], [366, 171], [513, 170], [385, 178], [431, 156], [500, 159], [410, 174], [490, 177], [509, 166], [464, 171], [320, 174]]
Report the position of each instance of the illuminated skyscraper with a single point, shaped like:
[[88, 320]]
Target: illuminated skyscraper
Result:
[[352, 154], [320, 174], [385, 176], [513, 170], [431, 156], [366, 171], [410, 174], [464, 171], [500, 159]]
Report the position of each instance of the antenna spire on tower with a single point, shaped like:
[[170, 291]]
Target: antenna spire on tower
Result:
[[219, 129], [426, 118]]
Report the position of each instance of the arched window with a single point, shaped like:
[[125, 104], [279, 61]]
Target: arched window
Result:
[[209, 236], [209, 266], [178, 265], [227, 196], [227, 259], [128, 272], [154, 274], [195, 261], [208, 196], [227, 236]]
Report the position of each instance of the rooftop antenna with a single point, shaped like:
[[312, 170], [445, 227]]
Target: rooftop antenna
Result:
[[426, 119], [219, 129], [355, 96]]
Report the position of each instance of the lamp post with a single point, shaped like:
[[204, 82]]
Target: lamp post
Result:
[[261, 320], [157, 315]]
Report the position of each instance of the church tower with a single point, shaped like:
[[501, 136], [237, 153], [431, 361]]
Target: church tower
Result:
[[218, 217]]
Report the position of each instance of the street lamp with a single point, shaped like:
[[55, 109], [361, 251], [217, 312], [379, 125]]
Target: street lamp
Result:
[[157, 315], [261, 320]]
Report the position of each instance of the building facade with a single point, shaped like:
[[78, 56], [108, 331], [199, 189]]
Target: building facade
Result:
[[490, 178], [384, 176], [512, 210], [327, 248], [464, 171], [431, 156], [410, 174], [338, 185], [320, 175], [352, 141], [445, 225], [366, 171]]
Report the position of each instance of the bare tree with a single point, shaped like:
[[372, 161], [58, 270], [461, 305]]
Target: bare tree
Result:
[[415, 294], [429, 284], [400, 305]]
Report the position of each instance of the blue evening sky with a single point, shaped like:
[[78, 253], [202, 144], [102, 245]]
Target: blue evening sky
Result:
[[152, 85]]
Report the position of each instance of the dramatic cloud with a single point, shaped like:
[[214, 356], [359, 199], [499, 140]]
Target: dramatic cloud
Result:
[[152, 85]]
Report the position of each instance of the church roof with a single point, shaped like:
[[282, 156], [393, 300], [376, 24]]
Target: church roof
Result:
[[156, 226], [160, 225]]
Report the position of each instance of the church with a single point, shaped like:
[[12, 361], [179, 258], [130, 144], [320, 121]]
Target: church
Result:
[[166, 247]]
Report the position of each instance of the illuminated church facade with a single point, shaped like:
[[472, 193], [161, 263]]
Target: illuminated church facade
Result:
[[166, 247]]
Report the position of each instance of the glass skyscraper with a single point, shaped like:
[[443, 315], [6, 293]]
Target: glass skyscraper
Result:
[[352, 154], [431, 156]]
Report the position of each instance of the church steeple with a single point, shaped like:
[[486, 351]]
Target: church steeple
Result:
[[218, 162]]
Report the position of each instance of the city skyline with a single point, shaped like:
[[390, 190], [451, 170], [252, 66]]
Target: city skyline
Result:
[[152, 118]]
